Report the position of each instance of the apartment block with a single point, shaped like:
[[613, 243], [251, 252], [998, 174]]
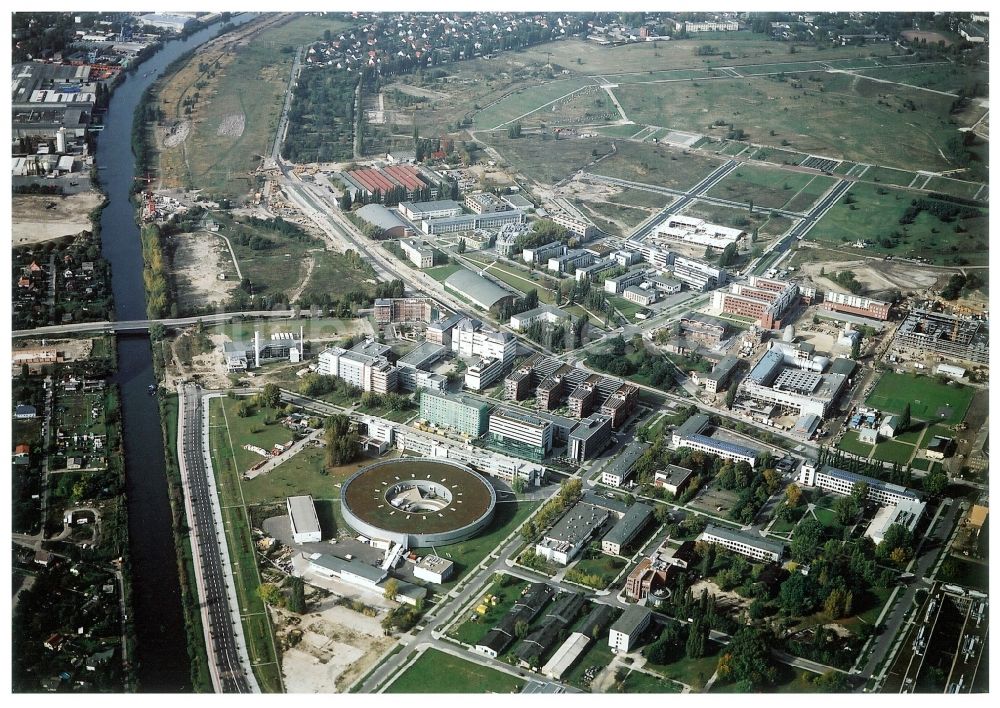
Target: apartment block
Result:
[[856, 305]]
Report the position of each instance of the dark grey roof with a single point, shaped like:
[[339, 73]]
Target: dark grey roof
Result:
[[723, 368], [535, 599], [693, 425], [843, 366], [595, 623], [337, 565], [634, 520], [567, 606], [476, 288], [495, 640], [603, 502], [590, 426], [623, 464], [577, 524], [633, 618], [750, 539], [378, 215]]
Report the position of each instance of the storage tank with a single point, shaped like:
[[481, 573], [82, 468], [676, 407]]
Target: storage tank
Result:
[[789, 334]]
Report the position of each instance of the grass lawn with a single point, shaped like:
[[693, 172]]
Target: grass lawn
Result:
[[874, 215], [528, 100], [929, 399], [604, 566], [693, 672], [250, 430], [641, 682], [441, 273], [888, 175], [641, 198], [471, 631], [619, 131], [626, 307], [935, 430], [548, 160], [467, 554], [893, 451], [438, 672], [826, 516]]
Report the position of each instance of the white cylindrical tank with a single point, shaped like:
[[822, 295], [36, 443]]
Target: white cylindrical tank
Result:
[[789, 334]]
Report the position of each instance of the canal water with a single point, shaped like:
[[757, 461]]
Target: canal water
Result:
[[161, 651]]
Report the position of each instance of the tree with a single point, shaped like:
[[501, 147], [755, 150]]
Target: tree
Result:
[[521, 629], [793, 495], [270, 396], [846, 509], [461, 246], [297, 596], [806, 541], [748, 660], [838, 603], [391, 589], [270, 594], [904, 418], [730, 397], [697, 639]]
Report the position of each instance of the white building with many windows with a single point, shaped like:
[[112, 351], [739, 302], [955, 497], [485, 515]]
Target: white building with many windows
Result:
[[842, 482], [745, 544]]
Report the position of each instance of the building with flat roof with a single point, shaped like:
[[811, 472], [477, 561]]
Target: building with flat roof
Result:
[[689, 434], [305, 522], [618, 472], [590, 437], [519, 433], [485, 203], [571, 533], [420, 253], [440, 331], [763, 299], [577, 227], [542, 253], [673, 479], [417, 211], [959, 338], [280, 346], [570, 261], [619, 283], [433, 569], [905, 513], [842, 482], [365, 365], [746, 544], [420, 359], [626, 631], [174, 23], [477, 289], [698, 275], [627, 529], [691, 230], [404, 309], [856, 305], [354, 571], [464, 414], [772, 381], [639, 295], [543, 313], [720, 375], [472, 222]]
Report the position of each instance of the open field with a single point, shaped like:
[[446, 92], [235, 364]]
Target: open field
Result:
[[929, 399], [439, 672], [835, 115], [472, 631], [527, 100], [940, 76], [874, 216], [693, 672], [772, 187], [544, 159], [32, 221], [238, 84], [199, 259], [657, 164]]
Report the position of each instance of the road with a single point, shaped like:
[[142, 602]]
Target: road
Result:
[[229, 664], [144, 325]]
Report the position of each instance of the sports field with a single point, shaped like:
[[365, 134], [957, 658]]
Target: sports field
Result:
[[929, 399], [874, 216], [439, 672]]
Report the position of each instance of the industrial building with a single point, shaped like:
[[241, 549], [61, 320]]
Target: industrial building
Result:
[[418, 211], [365, 365], [590, 437], [627, 529], [856, 305], [763, 299], [618, 472], [477, 289], [370, 181], [461, 413], [303, 518], [351, 571], [388, 222], [420, 253], [746, 544], [703, 329], [687, 229], [562, 543], [174, 23], [960, 338], [519, 433], [472, 222], [690, 434], [626, 631], [280, 346]]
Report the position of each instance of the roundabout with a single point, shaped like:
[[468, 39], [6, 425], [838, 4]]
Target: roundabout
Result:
[[417, 501]]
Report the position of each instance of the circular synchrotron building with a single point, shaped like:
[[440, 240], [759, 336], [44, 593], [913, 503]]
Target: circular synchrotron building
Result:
[[418, 501]]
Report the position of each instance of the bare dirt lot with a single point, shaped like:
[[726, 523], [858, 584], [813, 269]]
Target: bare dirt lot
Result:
[[875, 275], [337, 647], [199, 259], [931, 37], [34, 222], [233, 125], [175, 134]]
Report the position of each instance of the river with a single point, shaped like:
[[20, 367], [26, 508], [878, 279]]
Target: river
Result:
[[162, 663]]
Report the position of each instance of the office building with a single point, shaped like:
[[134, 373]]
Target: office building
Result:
[[619, 283], [549, 393], [842, 482], [542, 313], [419, 252], [620, 404], [746, 544], [763, 299], [627, 529], [579, 228], [303, 518], [463, 414], [698, 275], [591, 271], [619, 470], [542, 254], [906, 513], [626, 631], [803, 389], [280, 346], [673, 479], [687, 229], [433, 569], [485, 203], [960, 338], [590, 437], [721, 374], [404, 309], [561, 543], [472, 222], [365, 365], [570, 261], [640, 296], [690, 434], [419, 361], [519, 433], [856, 305], [440, 331], [418, 211], [582, 399]]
